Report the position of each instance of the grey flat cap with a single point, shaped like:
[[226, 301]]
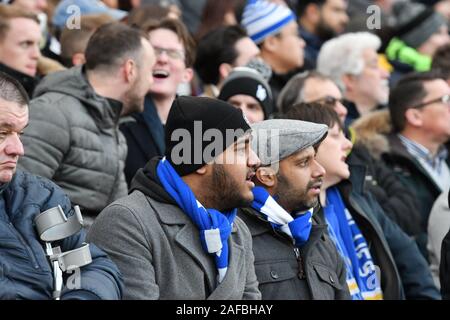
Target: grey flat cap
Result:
[[276, 139]]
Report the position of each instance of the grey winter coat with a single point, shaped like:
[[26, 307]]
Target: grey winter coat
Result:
[[316, 271], [73, 139], [157, 248]]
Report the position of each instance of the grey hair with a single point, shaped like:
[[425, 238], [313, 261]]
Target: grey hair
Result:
[[294, 90], [343, 55]]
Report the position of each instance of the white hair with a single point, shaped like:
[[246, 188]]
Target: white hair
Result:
[[343, 55]]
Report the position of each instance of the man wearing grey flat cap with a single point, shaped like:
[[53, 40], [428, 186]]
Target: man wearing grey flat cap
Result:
[[294, 257]]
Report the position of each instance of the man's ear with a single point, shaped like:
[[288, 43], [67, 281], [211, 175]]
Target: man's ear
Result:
[[130, 70], [413, 117], [188, 74], [224, 70], [203, 170], [349, 81], [266, 176], [78, 59], [135, 3], [312, 13], [270, 44]]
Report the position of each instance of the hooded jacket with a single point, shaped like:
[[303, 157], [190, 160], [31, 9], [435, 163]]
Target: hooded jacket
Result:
[[25, 271], [374, 131], [157, 247], [73, 138]]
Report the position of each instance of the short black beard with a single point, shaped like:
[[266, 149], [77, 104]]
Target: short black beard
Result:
[[224, 191], [290, 198], [324, 32]]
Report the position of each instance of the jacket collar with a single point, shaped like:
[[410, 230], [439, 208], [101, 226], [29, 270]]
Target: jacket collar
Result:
[[399, 152], [147, 181], [259, 226], [3, 187], [153, 123], [187, 238], [28, 82], [312, 40]]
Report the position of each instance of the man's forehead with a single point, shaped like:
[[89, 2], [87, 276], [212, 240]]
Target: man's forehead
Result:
[[317, 88], [437, 86], [301, 154], [23, 23], [9, 108], [247, 137]]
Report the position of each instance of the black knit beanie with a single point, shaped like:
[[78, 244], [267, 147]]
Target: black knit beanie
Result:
[[189, 118], [415, 23], [247, 81]]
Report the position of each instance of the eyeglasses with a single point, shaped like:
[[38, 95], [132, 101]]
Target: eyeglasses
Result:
[[329, 100], [171, 53], [445, 99]]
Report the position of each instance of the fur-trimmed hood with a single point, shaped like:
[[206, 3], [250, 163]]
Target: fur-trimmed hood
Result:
[[371, 130]]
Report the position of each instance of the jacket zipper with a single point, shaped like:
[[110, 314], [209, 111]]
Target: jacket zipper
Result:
[[24, 244], [301, 269], [117, 173]]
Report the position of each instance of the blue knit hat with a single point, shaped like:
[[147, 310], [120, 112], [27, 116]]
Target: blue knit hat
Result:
[[262, 19]]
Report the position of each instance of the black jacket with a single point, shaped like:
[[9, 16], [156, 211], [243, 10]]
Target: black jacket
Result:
[[316, 271], [417, 180], [277, 83], [145, 138], [397, 201], [444, 270], [404, 271], [28, 82]]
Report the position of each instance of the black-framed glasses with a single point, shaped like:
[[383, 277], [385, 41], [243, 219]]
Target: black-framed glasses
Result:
[[445, 99], [171, 53], [329, 100]]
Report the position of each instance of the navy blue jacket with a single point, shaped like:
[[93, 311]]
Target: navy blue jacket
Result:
[[403, 268], [25, 272], [312, 48]]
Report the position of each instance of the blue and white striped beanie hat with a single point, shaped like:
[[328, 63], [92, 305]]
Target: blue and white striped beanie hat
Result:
[[262, 18]]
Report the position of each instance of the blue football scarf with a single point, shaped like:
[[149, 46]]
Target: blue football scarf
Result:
[[297, 229], [214, 226], [362, 279]]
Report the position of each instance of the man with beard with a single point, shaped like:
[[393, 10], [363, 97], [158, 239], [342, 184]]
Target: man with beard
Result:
[[319, 21], [176, 235], [294, 257], [73, 137]]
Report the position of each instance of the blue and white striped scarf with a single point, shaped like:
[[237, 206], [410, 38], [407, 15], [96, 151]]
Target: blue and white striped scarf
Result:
[[214, 226], [362, 279], [297, 229]]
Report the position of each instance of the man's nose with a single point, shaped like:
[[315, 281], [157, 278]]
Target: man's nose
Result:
[[318, 170], [253, 159], [14, 146]]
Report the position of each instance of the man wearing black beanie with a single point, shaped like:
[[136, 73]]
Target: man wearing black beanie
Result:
[[176, 235]]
